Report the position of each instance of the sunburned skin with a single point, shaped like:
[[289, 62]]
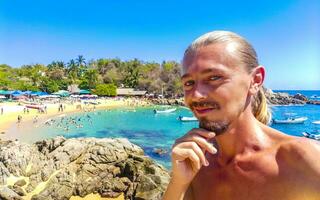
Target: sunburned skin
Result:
[[261, 171], [233, 155]]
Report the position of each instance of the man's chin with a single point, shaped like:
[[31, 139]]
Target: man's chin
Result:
[[218, 127]]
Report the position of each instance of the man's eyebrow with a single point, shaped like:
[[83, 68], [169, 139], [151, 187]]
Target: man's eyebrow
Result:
[[210, 70], [185, 76], [205, 71]]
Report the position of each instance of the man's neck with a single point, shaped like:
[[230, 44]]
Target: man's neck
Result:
[[243, 136]]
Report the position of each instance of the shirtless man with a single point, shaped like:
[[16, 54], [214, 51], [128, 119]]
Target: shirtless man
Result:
[[235, 155]]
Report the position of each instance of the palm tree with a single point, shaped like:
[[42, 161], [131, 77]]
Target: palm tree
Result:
[[81, 60], [60, 64], [82, 65], [92, 77], [73, 71]]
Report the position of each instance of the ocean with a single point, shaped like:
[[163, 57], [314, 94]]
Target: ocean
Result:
[[152, 131]]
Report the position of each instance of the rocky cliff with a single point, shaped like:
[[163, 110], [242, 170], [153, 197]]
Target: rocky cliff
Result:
[[273, 99], [59, 168]]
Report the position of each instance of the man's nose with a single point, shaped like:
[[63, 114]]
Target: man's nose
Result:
[[199, 92]]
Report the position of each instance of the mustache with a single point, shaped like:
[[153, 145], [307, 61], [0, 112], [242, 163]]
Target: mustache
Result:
[[204, 104]]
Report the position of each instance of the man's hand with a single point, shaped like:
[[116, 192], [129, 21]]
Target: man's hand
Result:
[[188, 155]]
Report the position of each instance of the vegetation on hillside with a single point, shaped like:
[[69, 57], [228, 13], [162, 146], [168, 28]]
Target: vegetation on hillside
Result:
[[94, 75]]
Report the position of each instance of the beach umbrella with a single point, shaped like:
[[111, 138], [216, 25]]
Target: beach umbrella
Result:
[[43, 93], [17, 93], [34, 93], [27, 92], [62, 93], [9, 92], [84, 92], [38, 93], [2, 92]]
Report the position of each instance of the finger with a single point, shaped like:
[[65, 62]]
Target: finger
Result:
[[184, 154], [203, 132], [197, 150], [203, 143], [199, 132], [192, 156]]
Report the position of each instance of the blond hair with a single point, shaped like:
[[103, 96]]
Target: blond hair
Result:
[[247, 55]]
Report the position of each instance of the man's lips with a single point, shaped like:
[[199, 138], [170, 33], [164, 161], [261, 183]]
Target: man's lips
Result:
[[201, 111]]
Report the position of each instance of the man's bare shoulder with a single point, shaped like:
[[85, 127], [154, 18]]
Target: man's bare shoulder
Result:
[[299, 146], [301, 155]]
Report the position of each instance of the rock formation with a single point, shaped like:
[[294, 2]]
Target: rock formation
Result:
[[277, 98], [59, 168]]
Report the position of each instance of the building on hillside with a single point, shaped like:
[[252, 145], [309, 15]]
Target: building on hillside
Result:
[[130, 92]]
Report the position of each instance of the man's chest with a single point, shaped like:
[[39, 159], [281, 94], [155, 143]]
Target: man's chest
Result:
[[243, 179]]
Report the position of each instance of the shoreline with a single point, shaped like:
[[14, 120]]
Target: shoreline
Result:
[[9, 120], [8, 123]]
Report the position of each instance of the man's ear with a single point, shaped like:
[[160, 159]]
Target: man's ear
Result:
[[257, 78]]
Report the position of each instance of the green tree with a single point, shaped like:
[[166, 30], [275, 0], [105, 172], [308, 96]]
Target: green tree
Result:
[[49, 85], [73, 71], [132, 73], [5, 74], [81, 63], [105, 90]]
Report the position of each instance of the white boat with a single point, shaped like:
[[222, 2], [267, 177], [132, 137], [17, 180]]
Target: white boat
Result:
[[311, 135], [291, 120], [316, 122], [164, 111], [187, 119]]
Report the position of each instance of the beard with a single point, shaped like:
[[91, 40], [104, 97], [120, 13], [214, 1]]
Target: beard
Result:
[[218, 127]]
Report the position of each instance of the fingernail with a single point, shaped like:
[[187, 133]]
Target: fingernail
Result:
[[212, 134], [213, 150], [206, 163]]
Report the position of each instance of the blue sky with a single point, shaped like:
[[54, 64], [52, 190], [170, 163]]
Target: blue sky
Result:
[[285, 34]]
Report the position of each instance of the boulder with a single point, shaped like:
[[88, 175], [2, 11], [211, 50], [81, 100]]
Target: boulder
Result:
[[300, 97], [78, 167]]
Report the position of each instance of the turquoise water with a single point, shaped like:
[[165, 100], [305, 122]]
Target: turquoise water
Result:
[[141, 126], [151, 131]]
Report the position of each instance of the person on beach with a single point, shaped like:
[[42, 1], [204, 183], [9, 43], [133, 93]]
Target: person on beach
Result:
[[19, 119], [35, 119], [1, 110], [234, 154], [60, 108]]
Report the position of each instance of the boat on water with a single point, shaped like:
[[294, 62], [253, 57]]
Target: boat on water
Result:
[[313, 135], [291, 120], [316, 122], [187, 119], [170, 110]]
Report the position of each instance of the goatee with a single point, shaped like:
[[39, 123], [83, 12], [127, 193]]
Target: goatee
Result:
[[218, 127]]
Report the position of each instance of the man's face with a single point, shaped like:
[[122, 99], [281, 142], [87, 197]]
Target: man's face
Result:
[[215, 86]]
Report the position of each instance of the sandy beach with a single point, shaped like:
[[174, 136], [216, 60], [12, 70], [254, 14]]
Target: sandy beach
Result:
[[11, 111], [12, 179]]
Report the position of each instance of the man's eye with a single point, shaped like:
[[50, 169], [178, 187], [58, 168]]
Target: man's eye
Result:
[[188, 83], [214, 78]]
